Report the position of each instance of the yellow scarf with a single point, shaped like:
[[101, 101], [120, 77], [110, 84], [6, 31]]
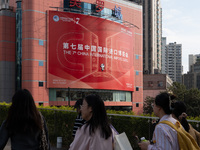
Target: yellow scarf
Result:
[[185, 140]]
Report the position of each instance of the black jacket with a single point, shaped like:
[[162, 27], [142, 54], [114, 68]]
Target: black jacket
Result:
[[21, 141]]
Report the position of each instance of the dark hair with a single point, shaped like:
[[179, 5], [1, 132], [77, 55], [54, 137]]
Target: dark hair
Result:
[[179, 108], [99, 117], [164, 100], [23, 115], [78, 103]]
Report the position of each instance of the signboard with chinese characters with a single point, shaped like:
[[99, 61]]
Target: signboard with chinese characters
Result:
[[89, 52], [77, 4]]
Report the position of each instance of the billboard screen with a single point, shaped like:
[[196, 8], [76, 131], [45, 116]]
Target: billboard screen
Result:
[[89, 52]]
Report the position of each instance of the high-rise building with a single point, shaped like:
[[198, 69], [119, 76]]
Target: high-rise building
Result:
[[193, 60], [174, 61], [152, 34], [7, 51], [66, 49], [164, 55], [192, 78]]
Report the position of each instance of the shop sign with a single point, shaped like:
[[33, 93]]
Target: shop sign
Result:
[[75, 3]]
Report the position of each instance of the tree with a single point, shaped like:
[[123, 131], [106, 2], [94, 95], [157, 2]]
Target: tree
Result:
[[147, 107], [192, 101], [191, 97], [179, 90]]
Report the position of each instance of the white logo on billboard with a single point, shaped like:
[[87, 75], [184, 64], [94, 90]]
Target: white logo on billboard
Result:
[[55, 18], [102, 67], [75, 20]]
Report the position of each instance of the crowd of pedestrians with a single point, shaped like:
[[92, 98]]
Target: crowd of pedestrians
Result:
[[27, 130]]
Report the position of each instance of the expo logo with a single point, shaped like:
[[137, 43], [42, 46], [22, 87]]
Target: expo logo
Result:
[[55, 18], [67, 19]]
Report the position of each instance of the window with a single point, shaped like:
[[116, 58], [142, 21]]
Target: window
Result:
[[137, 88], [106, 95], [40, 103], [150, 83], [137, 56], [41, 63], [41, 42], [137, 104], [137, 72], [40, 84], [160, 83], [122, 96]]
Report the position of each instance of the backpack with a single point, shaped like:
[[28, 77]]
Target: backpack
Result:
[[185, 140]]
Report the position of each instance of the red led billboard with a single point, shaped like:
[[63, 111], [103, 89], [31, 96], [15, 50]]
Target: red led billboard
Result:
[[89, 52]]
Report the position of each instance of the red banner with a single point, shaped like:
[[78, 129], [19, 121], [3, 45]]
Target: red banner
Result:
[[89, 52]]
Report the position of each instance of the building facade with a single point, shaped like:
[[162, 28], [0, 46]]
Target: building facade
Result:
[[7, 51], [152, 35], [173, 61], [155, 83], [66, 49], [164, 55], [192, 60], [192, 78]]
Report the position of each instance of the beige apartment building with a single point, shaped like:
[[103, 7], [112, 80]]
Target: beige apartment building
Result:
[[152, 35]]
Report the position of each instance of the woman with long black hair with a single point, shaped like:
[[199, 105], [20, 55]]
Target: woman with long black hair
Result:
[[96, 134], [24, 125]]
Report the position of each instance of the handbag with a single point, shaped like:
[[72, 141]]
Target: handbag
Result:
[[43, 139], [121, 142]]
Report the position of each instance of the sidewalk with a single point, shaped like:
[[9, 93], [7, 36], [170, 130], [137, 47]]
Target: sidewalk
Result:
[[8, 147]]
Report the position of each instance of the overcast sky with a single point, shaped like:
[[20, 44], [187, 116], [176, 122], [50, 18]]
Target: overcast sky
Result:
[[181, 24]]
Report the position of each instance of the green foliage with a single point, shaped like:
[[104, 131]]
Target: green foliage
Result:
[[60, 124], [132, 126], [57, 108], [192, 101], [120, 112], [3, 112], [179, 90], [5, 104], [147, 108], [191, 97]]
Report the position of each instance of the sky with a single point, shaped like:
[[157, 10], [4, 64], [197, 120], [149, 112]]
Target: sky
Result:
[[181, 24]]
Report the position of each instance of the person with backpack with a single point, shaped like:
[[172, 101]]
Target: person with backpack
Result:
[[179, 113], [169, 133]]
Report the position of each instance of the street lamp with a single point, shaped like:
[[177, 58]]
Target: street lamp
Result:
[[69, 96]]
